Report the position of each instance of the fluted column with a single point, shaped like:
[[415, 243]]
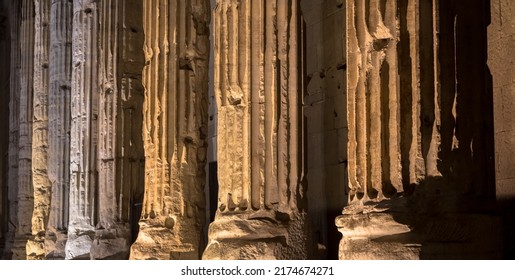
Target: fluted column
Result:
[[40, 182], [14, 99], [59, 98], [418, 130], [374, 104], [84, 131], [120, 145], [175, 78], [25, 190], [257, 80], [5, 75]]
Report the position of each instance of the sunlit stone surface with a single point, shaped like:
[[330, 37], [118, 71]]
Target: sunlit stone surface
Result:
[[399, 112]]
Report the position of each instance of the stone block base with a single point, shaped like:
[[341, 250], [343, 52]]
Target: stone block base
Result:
[[403, 236], [160, 243], [35, 249], [111, 244], [55, 243], [258, 235]]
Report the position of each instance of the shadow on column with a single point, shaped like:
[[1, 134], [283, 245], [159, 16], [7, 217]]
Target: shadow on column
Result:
[[4, 124]]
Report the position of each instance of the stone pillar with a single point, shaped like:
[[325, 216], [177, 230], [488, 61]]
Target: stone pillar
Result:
[[257, 81], [25, 194], [59, 98], [120, 145], [14, 99], [84, 131], [420, 131], [501, 39], [373, 103], [175, 78], [5, 75], [40, 182], [106, 157]]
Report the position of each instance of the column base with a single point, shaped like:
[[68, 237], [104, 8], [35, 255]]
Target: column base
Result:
[[55, 243], [7, 243], [261, 235], [36, 248], [19, 247], [111, 244], [78, 246], [362, 235], [156, 242], [406, 235]]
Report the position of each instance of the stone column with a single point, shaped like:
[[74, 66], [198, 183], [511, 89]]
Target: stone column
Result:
[[59, 98], [120, 145], [420, 130], [374, 104], [25, 194], [501, 34], [40, 182], [14, 97], [84, 131], [5, 75], [257, 81], [175, 78]]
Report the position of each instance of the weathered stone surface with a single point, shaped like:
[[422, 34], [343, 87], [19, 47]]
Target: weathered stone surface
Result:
[[106, 172], [84, 130], [112, 244], [40, 181], [59, 98], [412, 236], [258, 235], [420, 124], [25, 195], [5, 55], [78, 247], [259, 131], [175, 78], [120, 145], [106, 117], [14, 10]]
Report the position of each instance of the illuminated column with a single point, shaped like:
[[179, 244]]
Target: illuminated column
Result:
[[257, 79]]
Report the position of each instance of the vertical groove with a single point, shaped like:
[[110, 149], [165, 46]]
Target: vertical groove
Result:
[[436, 136], [293, 102], [353, 61], [375, 117], [257, 142], [244, 78], [417, 165], [283, 7], [394, 154], [361, 109], [270, 104]]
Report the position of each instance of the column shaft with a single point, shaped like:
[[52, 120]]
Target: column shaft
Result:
[[25, 189], [84, 131], [257, 87], [59, 121], [40, 180], [175, 78]]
